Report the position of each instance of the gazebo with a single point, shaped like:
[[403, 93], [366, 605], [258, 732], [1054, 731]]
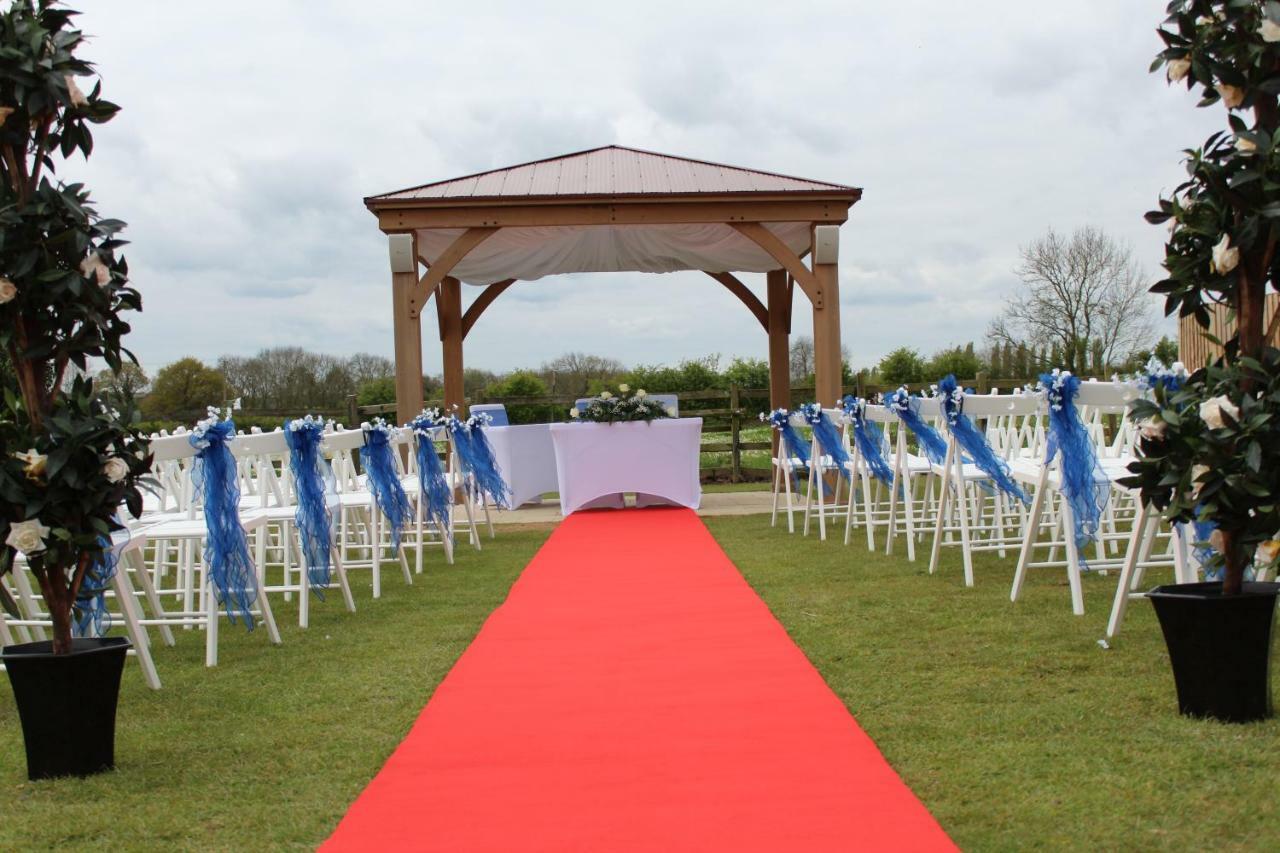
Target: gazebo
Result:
[[612, 209]]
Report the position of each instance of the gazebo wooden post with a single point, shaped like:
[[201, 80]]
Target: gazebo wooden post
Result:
[[778, 296], [406, 328], [449, 306], [826, 335]]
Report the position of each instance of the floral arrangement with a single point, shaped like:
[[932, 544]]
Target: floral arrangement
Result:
[[1209, 448], [625, 407], [67, 462]]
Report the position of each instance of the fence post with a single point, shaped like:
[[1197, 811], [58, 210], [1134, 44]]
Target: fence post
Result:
[[982, 384], [353, 416], [735, 427]]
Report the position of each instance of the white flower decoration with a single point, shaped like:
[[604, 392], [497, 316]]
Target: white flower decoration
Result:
[[93, 267], [1211, 411], [1232, 96], [624, 387], [1197, 471], [1154, 429], [1266, 552], [605, 395], [33, 463], [77, 97], [1225, 256], [1215, 540], [1179, 69], [115, 469], [8, 290], [574, 413], [641, 393], [27, 536], [1245, 145], [1270, 31]]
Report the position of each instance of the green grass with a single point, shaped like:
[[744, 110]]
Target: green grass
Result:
[[1008, 720], [267, 750], [735, 487]]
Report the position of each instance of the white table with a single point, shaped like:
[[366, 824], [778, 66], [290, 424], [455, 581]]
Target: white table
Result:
[[526, 458], [656, 459]]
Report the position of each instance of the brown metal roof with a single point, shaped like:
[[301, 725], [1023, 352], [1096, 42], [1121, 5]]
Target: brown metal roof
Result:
[[612, 171]]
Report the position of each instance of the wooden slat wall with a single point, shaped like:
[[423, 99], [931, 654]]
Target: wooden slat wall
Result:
[[1194, 351]]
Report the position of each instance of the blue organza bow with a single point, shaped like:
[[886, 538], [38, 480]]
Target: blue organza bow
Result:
[[907, 408], [973, 441], [313, 481], [431, 479], [793, 446], [1084, 484], [868, 437], [227, 555], [829, 441], [384, 482], [476, 455], [91, 616]]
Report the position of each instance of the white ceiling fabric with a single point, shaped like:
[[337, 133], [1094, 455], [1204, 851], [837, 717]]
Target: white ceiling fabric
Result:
[[533, 252]]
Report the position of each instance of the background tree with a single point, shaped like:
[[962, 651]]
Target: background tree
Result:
[[119, 386], [1079, 289], [184, 389], [903, 365], [958, 360], [752, 373], [801, 358], [573, 372]]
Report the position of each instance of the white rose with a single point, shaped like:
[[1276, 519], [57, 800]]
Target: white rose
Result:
[[574, 413], [1225, 256], [1232, 96], [671, 411], [1211, 411], [77, 97], [33, 463], [624, 387], [1197, 471], [8, 290], [1245, 145], [116, 469], [93, 267], [605, 395], [642, 394], [1154, 429], [1270, 30], [1179, 69], [1215, 540], [27, 536], [1266, 553]]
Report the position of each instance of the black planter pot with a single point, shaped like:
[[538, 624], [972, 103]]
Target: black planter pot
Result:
[[1220, 647], [67, 704]]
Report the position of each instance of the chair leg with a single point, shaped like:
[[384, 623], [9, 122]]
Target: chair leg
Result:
[[1028, 541], [1121, 601], [137, 633], [1073, 562]]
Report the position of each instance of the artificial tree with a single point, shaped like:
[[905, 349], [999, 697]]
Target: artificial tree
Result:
[[1211, 447], [67, 460]]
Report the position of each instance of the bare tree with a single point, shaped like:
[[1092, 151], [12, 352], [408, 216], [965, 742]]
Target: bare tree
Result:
[[1083, 296], [573, 372], [801, 357]]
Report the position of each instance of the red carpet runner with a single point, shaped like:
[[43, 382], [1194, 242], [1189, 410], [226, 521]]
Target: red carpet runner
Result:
[[633, 693]]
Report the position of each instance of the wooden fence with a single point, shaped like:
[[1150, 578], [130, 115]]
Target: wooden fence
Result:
[[725, 414], [1194, 350]]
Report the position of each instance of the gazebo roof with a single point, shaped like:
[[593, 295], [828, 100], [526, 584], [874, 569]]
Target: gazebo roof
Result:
[[611, 171]]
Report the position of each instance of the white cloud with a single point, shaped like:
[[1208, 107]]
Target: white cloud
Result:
[[250, 134]]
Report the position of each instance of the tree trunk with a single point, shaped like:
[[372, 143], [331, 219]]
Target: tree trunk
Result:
[[1233, 575]]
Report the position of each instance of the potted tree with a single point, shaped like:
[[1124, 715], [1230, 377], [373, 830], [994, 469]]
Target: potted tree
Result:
[[67, 460], [1211, 446]]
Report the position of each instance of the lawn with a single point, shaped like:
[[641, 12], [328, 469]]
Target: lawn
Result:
[[1008, 720]]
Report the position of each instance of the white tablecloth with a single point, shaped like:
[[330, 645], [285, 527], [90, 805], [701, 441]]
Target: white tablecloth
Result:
[[657, 459], [526, 458]]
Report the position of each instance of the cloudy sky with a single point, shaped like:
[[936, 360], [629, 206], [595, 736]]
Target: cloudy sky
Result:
[[251, 131]]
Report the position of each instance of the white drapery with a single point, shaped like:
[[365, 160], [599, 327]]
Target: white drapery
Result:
[[529, 253]]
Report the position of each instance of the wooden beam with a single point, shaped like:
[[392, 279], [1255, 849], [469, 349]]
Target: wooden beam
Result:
[[483, 301], [740, 290], [826, 337], [449, 307], [778, 294], [407, 332], [409, 218], [780, 252], [444, 264]]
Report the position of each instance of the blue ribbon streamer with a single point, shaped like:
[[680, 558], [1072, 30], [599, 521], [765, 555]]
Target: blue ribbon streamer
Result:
[[92, 618], [974, 442], [829, 441], [1084, 484], [384, 482], [435, 489], [868, 437], [907, 408], [310, 476], [793, 445], [227, 555], [476, 455]]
